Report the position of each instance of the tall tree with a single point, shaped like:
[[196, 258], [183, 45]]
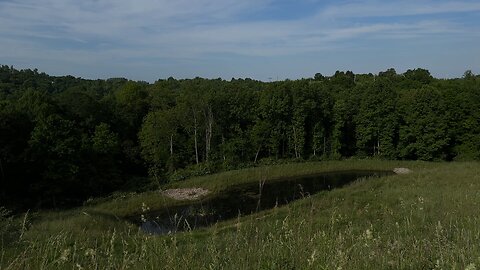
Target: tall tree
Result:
[[377, 120], [424, 127]]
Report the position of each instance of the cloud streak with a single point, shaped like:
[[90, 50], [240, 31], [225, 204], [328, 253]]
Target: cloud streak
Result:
[[398, 8], [127, 31]]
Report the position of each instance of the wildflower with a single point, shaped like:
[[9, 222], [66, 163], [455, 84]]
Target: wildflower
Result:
[[145, 208], [421, 200], [90, 252], [368, 234], [65, 255]]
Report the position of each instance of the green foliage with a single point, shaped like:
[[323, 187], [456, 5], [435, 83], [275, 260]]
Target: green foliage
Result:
[[419, 75], [104, 140], [131, 105], [155, 137], [66, 138], [55, 147], [424, 129], [377, 121], [193, 171]]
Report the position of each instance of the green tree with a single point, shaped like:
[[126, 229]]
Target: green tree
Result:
[[15, 128], [275, 110], [377, 121], [424, 127], [343, 132], [55, 147], [462, 98], [157, 136], [104, 140]]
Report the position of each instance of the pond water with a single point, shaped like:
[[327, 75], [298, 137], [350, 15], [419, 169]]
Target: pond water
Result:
[[246, 199]]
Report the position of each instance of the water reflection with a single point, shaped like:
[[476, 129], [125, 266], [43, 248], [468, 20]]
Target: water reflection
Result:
[[246, 199]]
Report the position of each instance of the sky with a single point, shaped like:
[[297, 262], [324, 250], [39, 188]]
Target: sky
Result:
[[259, 39]]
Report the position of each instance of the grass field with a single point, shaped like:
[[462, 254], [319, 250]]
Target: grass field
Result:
[[428, 219]]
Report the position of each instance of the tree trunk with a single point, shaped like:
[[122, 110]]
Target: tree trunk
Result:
[[378, 146], [195, 134], [208, 131], [223, 148], [256, 155], [295, 142], [171, 145]]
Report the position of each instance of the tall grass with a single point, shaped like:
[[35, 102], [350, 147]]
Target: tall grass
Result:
[[130, 204], [424, 220]]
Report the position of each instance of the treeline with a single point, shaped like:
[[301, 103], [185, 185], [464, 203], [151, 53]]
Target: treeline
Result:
[[64, 139]]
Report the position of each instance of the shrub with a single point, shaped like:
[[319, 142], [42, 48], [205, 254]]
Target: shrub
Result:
[[10, 231]]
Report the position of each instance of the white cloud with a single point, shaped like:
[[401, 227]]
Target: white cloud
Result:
[[119, 30], [397, 8], [111, 18]]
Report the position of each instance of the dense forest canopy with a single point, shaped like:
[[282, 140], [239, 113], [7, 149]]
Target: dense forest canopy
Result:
[[65, 139]]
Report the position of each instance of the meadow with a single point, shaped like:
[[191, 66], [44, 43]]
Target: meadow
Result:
[[427, 219]]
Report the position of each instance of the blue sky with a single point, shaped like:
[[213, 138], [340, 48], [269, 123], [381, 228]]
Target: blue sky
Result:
[[260, 39]]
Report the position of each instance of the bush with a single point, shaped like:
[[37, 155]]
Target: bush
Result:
[[10, 231], [195, 170]]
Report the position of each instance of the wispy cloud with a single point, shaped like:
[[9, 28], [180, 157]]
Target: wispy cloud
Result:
[[398, 8], [129, 31]]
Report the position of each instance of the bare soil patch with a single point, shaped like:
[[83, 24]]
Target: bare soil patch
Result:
[[402, 170], [185, 193]]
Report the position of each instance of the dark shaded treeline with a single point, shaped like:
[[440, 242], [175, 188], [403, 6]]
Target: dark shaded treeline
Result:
[[64, 139]]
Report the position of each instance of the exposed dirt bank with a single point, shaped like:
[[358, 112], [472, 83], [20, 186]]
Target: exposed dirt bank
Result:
[[185, 193]]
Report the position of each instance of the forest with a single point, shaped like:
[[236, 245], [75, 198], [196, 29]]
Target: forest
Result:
[[65, 139]]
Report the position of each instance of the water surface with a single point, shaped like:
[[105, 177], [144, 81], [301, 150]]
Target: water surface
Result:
[[246, 199]]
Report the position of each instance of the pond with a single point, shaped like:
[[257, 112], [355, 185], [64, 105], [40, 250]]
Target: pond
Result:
[[246, 199]]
